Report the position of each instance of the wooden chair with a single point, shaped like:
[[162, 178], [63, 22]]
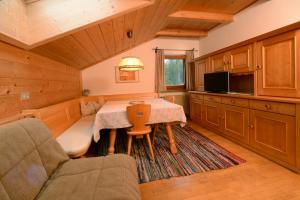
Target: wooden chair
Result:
[[138, 116], [169, 98]]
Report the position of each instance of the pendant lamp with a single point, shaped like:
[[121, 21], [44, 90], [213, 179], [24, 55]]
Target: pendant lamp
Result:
[[131, 64]]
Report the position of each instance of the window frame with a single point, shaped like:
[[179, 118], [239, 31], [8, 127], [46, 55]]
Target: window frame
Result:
[[177, 87]]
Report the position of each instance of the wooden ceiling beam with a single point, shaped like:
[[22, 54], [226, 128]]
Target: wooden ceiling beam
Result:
[[201, 16], [181, 33]]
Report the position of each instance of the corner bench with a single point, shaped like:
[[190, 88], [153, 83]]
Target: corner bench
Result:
[[66, 124], [77, 139], [72, 131]]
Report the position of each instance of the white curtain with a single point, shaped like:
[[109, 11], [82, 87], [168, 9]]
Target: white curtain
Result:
[[159, 71]]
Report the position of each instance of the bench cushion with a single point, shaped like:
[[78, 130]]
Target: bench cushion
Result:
[[105, 178], [77, 139]]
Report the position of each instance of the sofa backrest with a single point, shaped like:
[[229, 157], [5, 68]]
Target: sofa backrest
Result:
[[29, 155]]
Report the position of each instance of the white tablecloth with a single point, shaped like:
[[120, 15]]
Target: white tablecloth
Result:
[[113, 115]]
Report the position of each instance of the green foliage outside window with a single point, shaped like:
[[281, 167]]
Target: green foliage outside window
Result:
[[174, 72]]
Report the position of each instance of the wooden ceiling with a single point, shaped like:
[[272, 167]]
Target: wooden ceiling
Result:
[[93, 43]]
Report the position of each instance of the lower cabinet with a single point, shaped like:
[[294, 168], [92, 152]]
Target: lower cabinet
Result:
[[235, 122], [195, 111], [266, 132], [274, 135], [211, 115]]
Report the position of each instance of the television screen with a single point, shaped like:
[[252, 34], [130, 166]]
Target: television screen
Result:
[[216, 82]]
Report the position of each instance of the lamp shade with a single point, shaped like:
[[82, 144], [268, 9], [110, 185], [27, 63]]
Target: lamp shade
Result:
[[131, 64]]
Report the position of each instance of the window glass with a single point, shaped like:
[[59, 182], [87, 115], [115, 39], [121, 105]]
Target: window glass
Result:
[[174, 72]]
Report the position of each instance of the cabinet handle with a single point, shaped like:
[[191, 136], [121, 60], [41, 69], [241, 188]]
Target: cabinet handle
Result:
[[268, 106], [232, 101], [251, 126], [258, 67]]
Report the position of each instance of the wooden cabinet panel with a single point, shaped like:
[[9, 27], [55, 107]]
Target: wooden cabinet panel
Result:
[[278, 65], [200, 69], [196, 111], [208, 67], [241, 59], [235, 122], [277, 107], [212, 98], [196, 97], [211, 115], [235, 101], [274, 135], [217, 62]]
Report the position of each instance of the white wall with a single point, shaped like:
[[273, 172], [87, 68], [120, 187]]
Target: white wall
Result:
[[100, 78], [262, 17]]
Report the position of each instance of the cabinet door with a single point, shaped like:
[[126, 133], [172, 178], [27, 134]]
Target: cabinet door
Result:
[[217, 63], [278, 65], [241, 59], [235, 122], [211, 114], [195, 111], [208, 67], [274, 135], [200, 67]]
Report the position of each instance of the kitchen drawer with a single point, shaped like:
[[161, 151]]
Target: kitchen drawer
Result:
[[235, 101], [212, 98], [196, 96], [276, 107]]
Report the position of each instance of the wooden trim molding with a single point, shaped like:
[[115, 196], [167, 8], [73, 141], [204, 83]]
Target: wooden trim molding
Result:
[[181, 33], [201, 16]]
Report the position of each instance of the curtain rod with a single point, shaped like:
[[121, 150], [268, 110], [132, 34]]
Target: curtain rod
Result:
[[156, 48]]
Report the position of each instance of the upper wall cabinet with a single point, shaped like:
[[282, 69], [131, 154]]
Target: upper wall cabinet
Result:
[[238, 60], [201, 67], [241, 59], [278, 65], [219, 62]]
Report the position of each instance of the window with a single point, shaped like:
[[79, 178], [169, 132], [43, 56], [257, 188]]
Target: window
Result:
[[174, 72]]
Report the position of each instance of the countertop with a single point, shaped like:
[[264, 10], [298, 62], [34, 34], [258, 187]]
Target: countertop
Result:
[[249, 96]]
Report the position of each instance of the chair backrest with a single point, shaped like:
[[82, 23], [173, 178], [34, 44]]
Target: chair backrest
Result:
[[29, 155], [138, 116], [170, 98]]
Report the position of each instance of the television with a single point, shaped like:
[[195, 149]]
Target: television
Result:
[[216, 82]]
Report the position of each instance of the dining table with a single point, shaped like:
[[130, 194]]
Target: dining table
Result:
[[113, 115]]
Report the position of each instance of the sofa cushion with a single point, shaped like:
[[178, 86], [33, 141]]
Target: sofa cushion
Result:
[[29, 155], [105, 178], [77, 139], [44, 141]]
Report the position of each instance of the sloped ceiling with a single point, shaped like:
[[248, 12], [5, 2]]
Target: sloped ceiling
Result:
[[74, 32]]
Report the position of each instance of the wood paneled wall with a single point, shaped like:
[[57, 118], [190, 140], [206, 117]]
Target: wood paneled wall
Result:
[[46, 81]]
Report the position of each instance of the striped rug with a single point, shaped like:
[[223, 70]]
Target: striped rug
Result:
[[196, 153]]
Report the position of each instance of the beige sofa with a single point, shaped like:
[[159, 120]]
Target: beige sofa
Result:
[[34, 166]]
